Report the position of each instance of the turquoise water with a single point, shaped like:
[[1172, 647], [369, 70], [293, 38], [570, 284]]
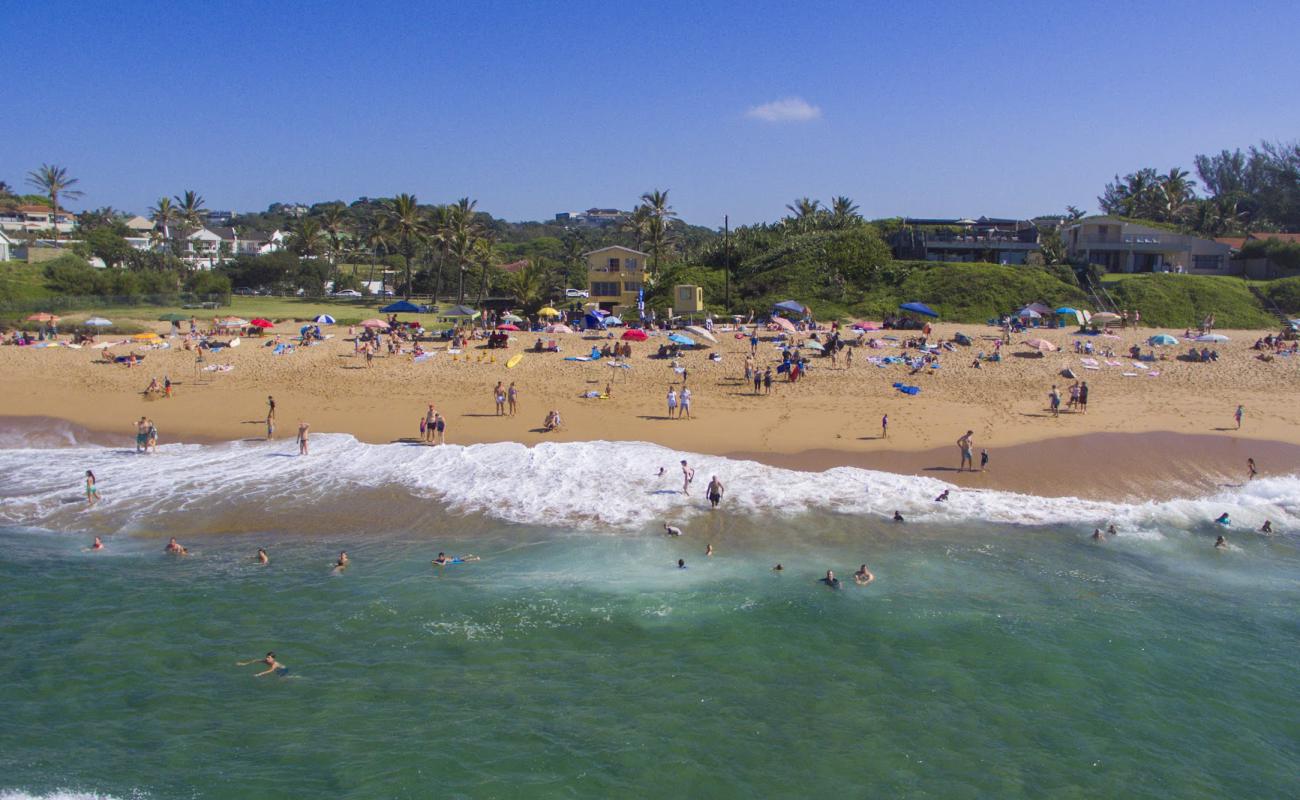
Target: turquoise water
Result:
[[986, 661]]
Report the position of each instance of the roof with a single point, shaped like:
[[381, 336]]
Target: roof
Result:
[[32, 208], [139, 223], [618, 247], [515, 266], [1235, 242], [1292, 238]]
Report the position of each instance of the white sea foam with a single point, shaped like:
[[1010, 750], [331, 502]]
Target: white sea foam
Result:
[[59, 794], [595, 485]]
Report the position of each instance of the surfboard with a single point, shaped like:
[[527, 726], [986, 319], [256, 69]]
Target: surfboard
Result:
[[514, 360]]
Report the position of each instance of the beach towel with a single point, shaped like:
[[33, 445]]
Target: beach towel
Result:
[[577, 358], [1110, 363], [218, 367], [908, 390], [1088, 362], [1092, 367], [1140, 366], [1130, 374], [1155, 373]]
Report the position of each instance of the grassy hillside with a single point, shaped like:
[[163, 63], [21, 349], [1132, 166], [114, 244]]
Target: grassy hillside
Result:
[[22, 281], [1177, 301], [1285, 292]]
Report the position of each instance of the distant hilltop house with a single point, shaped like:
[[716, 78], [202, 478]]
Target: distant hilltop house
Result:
[[210, 246], [1121, 245], [990, 239], [615, 276], [592, 217], [36, 218]]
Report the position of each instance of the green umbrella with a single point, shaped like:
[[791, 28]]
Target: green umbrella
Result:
[[173, 317]]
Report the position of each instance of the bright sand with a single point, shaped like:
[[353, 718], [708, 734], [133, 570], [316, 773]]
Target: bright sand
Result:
[[831, 417]]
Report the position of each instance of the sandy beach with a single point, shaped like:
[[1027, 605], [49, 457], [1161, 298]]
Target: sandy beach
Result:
[[831, 417]]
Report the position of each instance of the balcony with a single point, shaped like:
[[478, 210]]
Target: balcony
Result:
[[1135, 241]]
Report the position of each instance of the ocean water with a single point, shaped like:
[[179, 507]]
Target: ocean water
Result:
[[1000, 652]]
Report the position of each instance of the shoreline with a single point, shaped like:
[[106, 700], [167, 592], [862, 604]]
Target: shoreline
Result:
[[1130, 467]]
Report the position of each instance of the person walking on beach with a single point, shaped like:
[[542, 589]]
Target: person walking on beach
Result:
[[984, 459], [967, 446], [884, 427], [304, 430], [1238, 414], [714, 491], [672, 403], [512, 398], [1054, 401], [758, 382], [684, 411], [1251, 472], [142, 435], [92, 491], [272, 666], [688, 475]]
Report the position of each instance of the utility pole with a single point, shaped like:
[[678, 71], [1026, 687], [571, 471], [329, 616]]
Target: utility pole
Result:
[[726, 239]]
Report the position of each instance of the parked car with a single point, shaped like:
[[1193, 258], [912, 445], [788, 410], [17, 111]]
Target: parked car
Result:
[[243, 291], [347, 293], [577, 293]]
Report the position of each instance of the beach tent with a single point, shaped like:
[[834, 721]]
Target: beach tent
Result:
[[1029, 313], [1161, 339], [790, 307], [634, 335], [459, 311], [98, 322], [1212, 337], [1041, 345], [613, 320], [678, 338], [1039, 307], [261, 322], [403, 307], [594, 319], [323, 319], [813, 344], [230, 322], [548, 312], [375, 323], [703, 333], [918, 308], [556, 327]]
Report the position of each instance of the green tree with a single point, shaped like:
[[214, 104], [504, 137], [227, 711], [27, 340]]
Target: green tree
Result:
[[54, 181], [804, 214], [659, 216], [163, 215], [844, 212], [106, 244], [189, 211], [409, 230]]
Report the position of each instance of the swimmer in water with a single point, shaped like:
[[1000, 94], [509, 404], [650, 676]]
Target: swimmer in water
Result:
[[830, 580], [662, 470], [898, 517], [1267, 527], [174, 548], [272, 666], [863, 576], [343, 562], [1221, 543], [262, 557], [672, 530], [99, 545], [1110, 531], [942, 498], [708, 550], [1098, 535], [1223, 519], [778, 568], [443, 559], [681, 563]]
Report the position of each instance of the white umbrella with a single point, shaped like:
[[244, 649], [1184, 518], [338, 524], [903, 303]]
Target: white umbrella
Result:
[[1212, 337], [512, 318], [98, 322], [703, 333]]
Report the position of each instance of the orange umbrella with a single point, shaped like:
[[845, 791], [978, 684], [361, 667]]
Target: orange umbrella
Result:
[[43, 317], [1041, 345], [375, 323], [784, 323]]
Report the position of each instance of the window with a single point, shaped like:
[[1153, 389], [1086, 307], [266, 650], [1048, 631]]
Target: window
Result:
[[630, 263], [604, 288], [631, 286], [1207, 262], [612, 266]]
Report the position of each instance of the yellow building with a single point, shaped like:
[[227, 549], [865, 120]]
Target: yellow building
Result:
[[615, 275]]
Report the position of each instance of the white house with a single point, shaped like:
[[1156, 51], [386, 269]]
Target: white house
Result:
[[1120, 245], [6, 247], [34, 218], [139, 226]]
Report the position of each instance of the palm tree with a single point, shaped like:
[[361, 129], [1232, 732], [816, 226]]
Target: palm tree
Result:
[[804, 213], [54, 181], [189, 210], [163, 215], [306, 237], [844, 212], [637, 225], [377, 237], [334, 224], [483, 256], [659, 216], [527, 287], [464, 233], [408, 228]]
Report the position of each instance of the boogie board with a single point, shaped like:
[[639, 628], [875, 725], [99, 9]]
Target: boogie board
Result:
[[514, 360]]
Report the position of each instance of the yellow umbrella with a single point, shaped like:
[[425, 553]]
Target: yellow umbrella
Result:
[[548, 312], [146, 337]]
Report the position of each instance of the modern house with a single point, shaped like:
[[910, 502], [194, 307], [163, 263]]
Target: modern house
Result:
[[1122, 245], [990, 239], [139, 226], [36, 218], [592, 217], [615, 276]]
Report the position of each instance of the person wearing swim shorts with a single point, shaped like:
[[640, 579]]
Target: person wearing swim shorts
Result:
[[715, 491], [304, 431], [272, 666], [967, 446]]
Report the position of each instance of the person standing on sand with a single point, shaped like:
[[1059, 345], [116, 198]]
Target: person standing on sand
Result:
[[1083, 397], [672, 403], [688, 475], [499, 395], [848, 358], [685, 406], [714, 491], [884, 427], [758, 382], [92, 491], [1238, 414], [440, 426], [967, 446], [1054, 401], [428, 424], [1251, 472], [767, 381], [512, 398], [303, 431], [984, 459]]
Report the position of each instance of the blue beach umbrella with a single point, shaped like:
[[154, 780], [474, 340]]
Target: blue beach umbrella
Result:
[[682, 340], [919, 308], [324, 319], [790, 307], [1067, 310], [1162, 339]]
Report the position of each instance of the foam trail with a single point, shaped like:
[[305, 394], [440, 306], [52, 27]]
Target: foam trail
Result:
[[599, 485]]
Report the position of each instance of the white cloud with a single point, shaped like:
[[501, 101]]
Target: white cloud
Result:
[[788, 109]]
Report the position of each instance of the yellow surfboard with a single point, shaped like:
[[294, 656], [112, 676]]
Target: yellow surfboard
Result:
[[514, 360]]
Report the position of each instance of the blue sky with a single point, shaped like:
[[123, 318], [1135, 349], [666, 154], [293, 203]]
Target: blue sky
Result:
[[921, 109]]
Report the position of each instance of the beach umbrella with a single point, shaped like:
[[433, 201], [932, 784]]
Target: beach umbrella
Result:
[[1162, 339], [556, 327], [262, 322], [146, 337], [459, 311], [918, 308], [1041, 345], [324, 319], [43, 316], [613, 320], [703, 333], [784, 323], [1028, 313], [375, 323], [512, 318], [678, 338], [173, 317], [1212, 337], [1105, 318], [98, 322], [813, 344], [634, 335], [507, 326], [1067, 310], [790, 307], [402, 307], [866, 326], [548, 312], [230, 322], [1039, 307]]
